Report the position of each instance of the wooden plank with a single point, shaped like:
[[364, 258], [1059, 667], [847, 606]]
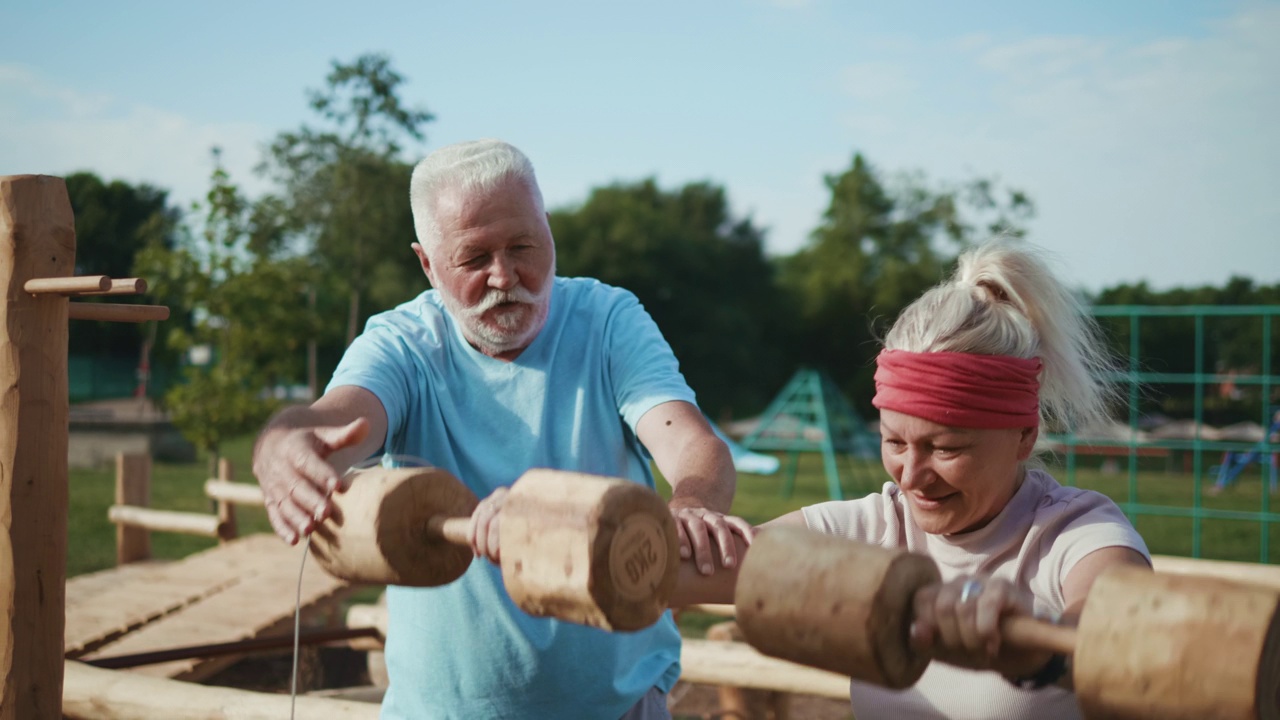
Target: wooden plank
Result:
[[37, 240], [104, 605], [262, 603]]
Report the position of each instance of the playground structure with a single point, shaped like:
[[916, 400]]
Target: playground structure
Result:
[[811, 415], [37, 236]]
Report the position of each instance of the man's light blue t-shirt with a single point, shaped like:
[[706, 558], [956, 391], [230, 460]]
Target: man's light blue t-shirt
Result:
[[571, 401]]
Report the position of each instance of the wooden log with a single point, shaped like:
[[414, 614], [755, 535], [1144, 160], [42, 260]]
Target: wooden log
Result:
[[233, 492], [133, 488], [716, 609], [707, 662], [226, 510], [94, 694], [739, 702], [116, 312], [67, 285], [166, 520], [122, 286], [710, 662], [368, 617], [37, 240]]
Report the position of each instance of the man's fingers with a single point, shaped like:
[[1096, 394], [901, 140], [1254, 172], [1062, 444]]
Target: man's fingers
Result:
[[685, 548], [742, 528], [697, 533], [724, 538], [279, 524], [494, 547]]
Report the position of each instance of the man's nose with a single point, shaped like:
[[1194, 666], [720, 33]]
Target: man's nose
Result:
[[502, 273]]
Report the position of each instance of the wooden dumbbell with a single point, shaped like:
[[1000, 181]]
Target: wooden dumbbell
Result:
[[597, 551], [1147, 645]]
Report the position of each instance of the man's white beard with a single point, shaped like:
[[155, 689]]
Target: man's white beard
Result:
[[508, 330]]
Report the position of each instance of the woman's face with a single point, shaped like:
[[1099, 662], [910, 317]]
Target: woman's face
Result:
[[955, 479]]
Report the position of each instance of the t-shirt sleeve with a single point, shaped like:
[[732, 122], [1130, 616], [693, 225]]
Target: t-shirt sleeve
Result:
[[643, 369], [1092, 522], [868, 519], [379, 361]]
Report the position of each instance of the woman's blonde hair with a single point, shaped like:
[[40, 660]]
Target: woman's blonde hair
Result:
[[1004, 300]]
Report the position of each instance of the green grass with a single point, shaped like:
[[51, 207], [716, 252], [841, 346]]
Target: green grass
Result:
[[91, 539]]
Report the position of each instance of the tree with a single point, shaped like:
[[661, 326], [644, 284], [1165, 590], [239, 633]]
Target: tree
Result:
[[700, 273], [878, 247], [240, 318], [114, 221], [344, 188]]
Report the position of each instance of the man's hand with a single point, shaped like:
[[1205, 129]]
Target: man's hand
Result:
[[483, 529], [698, 527], [292, 466]]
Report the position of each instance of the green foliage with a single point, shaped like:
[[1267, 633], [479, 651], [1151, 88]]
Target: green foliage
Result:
[[878, 248], [114, 221], [700, 273], [343, 190], [247, 311]]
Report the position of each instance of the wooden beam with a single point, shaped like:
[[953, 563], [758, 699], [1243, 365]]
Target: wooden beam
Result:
[[67, 285], [96, 694], [122, 286], [116, 312], [133, 487], [166, 520], [732, 664], [226, 510], [233, 492], [37, 240]]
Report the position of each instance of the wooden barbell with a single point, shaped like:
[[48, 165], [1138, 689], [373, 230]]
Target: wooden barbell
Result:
[[598, 551], [1147, 645]]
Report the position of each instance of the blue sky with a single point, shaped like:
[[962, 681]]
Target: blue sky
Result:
[[1146, 131]]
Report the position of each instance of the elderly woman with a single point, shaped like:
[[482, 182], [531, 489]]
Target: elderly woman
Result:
[[969, 374]]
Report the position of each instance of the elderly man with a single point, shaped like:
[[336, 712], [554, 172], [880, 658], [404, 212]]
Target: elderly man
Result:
[[500, 368]]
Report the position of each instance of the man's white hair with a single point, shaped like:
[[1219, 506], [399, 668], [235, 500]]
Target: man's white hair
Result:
[[473, 166]]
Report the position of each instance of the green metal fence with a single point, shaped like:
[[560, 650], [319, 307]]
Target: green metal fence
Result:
[[1192, 379]]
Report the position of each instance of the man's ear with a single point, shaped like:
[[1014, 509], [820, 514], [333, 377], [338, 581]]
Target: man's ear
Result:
[[424, 261], [1027, 441]]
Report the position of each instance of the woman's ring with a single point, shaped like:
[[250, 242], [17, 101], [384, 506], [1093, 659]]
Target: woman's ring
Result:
[[969, 590]]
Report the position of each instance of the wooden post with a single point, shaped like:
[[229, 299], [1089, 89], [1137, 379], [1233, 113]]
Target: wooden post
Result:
[[37, 240], [133, 487], [740, 703], [226, 509]]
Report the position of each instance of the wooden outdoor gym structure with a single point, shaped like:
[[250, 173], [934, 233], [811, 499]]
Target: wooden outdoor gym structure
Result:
[[37, 263], [1148, 646]]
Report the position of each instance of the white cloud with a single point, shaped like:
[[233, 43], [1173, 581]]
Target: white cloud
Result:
[[56, 130]]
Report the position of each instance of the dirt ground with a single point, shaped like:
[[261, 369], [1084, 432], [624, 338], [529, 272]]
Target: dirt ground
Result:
[[337, 667]]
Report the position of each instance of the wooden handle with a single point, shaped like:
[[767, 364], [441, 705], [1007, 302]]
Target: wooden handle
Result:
[[122, 286], [453, 529], [1032, 634], [67, 285], [116, 312]]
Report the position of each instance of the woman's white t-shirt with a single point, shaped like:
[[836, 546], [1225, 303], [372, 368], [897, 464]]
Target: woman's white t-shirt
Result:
[[1034, 543]]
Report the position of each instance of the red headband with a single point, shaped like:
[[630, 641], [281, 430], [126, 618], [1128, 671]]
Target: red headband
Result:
[[960, 389]]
